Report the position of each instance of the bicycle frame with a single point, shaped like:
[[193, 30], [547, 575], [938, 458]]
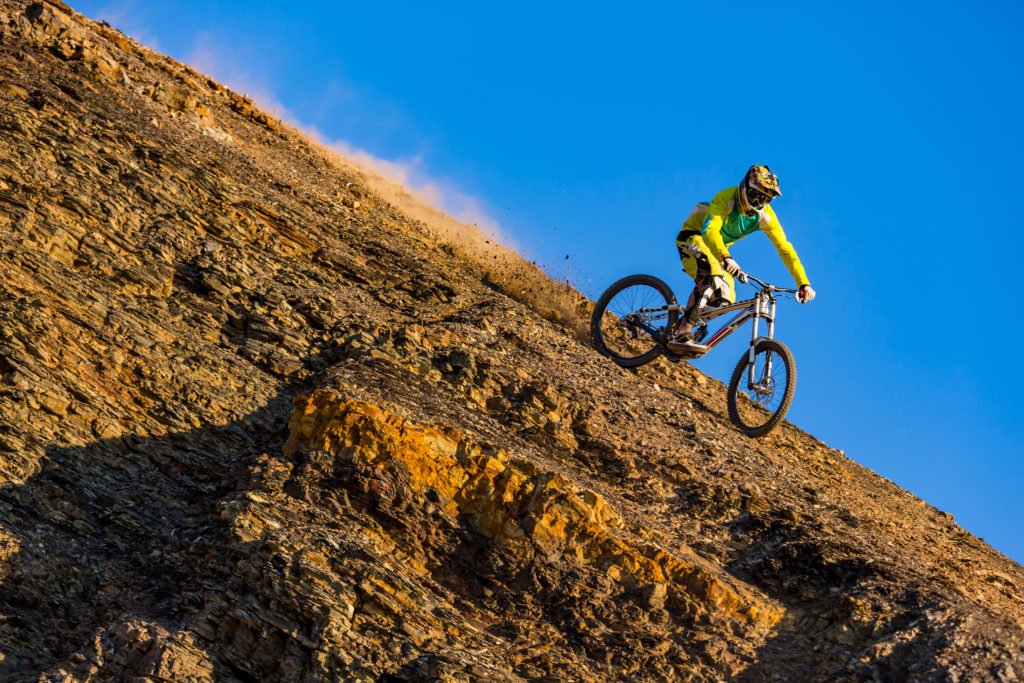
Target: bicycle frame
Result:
[[762, 305]]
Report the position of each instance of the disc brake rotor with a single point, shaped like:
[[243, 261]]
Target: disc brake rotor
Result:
[[764, 389]]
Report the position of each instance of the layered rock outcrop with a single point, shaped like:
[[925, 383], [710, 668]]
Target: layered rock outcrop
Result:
[[259, 423]]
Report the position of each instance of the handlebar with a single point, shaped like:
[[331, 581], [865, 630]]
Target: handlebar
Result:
[[744, 277]]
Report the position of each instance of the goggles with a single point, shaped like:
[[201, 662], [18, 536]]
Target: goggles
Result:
[[757, 199]]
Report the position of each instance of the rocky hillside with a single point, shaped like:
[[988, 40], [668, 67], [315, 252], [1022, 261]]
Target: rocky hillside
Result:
[[258, 423]]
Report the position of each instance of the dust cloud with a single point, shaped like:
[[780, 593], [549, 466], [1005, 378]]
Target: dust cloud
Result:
[[479, 242], [471, 235]]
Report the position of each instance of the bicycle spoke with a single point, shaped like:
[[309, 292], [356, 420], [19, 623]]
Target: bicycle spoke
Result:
[[629, 316], [759, 402]]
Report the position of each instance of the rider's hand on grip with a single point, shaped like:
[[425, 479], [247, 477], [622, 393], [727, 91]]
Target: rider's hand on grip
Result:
[[806, 294], [730, 266]]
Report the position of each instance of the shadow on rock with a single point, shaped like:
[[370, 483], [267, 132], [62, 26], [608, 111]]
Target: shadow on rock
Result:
[[838, 598], [120, 532]]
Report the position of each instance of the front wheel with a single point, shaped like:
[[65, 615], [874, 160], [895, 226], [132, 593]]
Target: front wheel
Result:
[[632, 320], [760, 395]]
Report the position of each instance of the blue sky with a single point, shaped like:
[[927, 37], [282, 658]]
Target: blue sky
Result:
[[588, 131]]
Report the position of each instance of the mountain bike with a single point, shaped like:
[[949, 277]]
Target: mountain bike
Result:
[[634, 319]]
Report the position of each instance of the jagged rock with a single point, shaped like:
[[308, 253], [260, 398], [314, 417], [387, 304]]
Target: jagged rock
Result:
[[468, 492]]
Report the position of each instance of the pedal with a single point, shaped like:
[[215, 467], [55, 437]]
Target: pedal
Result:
[[691, 348]]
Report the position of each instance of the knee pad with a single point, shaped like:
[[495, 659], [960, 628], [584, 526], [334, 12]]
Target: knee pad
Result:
[[715, 291]]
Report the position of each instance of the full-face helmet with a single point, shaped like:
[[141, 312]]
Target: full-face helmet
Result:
[[759, 187]]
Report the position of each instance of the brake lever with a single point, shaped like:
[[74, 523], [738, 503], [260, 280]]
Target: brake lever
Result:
[[742, 277]]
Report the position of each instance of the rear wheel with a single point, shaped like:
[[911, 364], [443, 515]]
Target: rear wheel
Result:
[[632, 320], [757, 406]]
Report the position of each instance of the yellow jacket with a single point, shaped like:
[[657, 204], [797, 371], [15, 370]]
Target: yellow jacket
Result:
[[716, 226]]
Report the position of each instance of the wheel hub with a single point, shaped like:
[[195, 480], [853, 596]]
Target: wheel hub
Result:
[[764, 388]]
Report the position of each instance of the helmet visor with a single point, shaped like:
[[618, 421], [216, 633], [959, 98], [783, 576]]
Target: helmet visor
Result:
[[757, 199]]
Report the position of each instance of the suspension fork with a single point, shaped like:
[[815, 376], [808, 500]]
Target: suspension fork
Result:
[[763, 300], [758, 304]]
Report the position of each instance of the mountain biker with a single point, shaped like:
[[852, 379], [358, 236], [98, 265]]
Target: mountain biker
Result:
[[704, 243]]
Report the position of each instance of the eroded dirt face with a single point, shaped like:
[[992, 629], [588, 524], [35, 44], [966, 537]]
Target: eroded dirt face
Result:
[[259, 423]]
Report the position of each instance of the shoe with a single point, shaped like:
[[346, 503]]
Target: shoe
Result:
[[685, 343]]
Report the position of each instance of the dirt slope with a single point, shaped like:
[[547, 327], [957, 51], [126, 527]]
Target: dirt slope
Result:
[[259, 424]]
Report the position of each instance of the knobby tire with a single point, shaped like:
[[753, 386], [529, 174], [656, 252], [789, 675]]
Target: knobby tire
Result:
[[741, 416], [606, 325]]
